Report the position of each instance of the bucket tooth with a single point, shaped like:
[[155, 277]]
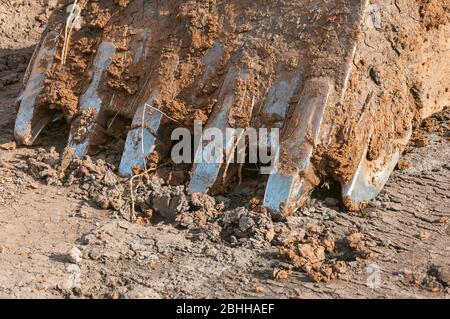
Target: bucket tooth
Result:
[[141, 139], [275, 107], [293, 178], [367, 183], [205, 173], [211, 61], [272, 117], [278, 99], [90, 106], [371, 176], [32, 118]]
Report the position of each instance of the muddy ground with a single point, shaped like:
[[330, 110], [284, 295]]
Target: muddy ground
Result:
[[69, 236]]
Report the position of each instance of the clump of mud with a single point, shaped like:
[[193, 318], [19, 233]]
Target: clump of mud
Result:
[[313, 250], [93, 180], [241, 224], [435, 279]]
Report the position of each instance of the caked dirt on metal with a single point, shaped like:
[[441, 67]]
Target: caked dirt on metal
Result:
[[182, 51]]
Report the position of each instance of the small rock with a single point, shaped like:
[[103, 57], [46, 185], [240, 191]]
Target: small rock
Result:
[[246, 223], [270, 234], [73, 282], [211, 251], [295, 221], [10, 146], [375, 204], [280, 274], [185, 220], [223, 202], [386, 243], [403, 165], [424, 235], [203, 202], [85, 212], [161, 205], [110, 179], [340, 267], [375, 75], [95, 254], [74, 256]]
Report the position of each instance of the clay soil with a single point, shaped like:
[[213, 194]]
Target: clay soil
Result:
[[321, 251]]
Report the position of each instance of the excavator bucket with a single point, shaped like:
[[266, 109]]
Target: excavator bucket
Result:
[[343, 82]]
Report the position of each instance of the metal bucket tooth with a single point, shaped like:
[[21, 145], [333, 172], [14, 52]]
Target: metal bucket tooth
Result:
[[205, 173], [32, 118], [90, 105], [293, 175], [211, 60], [141, 139], [272, 118], [371, 176], [278, 100]]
